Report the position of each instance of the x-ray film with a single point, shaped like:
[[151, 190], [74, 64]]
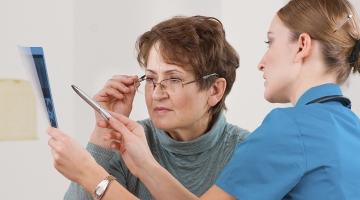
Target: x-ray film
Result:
[[34, 57]]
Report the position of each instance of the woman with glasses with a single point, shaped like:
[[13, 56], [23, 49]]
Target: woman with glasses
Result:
[[308, 151], [189, 70]]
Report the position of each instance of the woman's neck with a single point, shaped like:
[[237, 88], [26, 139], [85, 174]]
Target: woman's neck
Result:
[[192, 131]]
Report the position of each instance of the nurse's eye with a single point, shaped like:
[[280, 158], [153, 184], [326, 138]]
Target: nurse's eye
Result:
[[268, 43]]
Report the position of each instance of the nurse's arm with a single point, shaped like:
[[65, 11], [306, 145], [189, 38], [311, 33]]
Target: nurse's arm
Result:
[[163, 186], [216, 192]]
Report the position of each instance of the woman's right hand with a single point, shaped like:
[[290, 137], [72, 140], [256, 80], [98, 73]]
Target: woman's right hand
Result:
[[129, 138], [116, 96]]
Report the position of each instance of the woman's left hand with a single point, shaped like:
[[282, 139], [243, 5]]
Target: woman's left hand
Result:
[[73, 161]]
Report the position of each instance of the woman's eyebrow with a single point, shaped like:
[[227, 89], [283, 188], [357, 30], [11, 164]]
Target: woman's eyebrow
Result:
[[171, 71]]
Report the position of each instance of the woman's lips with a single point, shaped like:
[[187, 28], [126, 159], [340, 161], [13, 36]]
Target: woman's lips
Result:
[[160, 109]]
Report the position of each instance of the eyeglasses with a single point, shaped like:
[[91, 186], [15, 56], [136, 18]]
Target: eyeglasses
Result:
[[171, 84]]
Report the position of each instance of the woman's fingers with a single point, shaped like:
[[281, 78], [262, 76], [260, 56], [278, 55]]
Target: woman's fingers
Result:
[[56, 143], [113, 93], [57, 134], [119, 126], [113, 135], [51, 143], [123, 84], [126, 80], [130, 124], [102, 123], [118, 87], [115, 144], [106, 94], [118, 145]]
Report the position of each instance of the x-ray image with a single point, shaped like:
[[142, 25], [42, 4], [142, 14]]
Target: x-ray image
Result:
[[39, 61], [34, 60]]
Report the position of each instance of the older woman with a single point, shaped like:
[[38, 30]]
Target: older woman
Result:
[[189, 70]]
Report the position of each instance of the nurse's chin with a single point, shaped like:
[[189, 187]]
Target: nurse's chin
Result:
[[275, 99], [270, 98]]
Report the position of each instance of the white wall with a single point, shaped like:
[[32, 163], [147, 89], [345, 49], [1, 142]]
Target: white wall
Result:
[[26, 170], [87, 41]]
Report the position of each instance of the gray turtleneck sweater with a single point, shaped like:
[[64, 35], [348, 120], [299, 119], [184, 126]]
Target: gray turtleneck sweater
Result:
[[196, 164]]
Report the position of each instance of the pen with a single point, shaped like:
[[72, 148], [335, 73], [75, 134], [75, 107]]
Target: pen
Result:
[[104, 113]]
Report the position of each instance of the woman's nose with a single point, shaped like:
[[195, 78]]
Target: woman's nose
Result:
[[159, 92]]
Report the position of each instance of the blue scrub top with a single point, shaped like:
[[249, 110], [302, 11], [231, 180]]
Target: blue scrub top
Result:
[[303, 152]]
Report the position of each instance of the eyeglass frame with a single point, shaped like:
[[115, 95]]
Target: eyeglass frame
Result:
[[163, 87]]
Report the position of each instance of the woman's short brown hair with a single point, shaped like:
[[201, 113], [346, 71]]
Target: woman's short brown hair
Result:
[[196, 43]]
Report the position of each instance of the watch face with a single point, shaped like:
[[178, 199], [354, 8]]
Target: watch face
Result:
[[99, 190]]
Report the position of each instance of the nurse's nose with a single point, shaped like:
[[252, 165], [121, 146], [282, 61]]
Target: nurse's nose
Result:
[[261, 65]]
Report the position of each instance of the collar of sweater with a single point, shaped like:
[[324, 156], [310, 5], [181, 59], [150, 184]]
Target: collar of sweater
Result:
[[198, 145]]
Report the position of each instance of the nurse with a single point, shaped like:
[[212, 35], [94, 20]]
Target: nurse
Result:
[[307, 151]]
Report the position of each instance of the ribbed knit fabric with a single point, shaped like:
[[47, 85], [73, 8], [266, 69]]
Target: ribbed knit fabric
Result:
[[196, 164]]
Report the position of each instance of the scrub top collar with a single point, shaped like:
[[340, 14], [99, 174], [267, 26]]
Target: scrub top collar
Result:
[[318, 92]]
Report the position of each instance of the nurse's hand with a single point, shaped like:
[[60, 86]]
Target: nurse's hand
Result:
[[129, 138], [73, 161], [116, 96]]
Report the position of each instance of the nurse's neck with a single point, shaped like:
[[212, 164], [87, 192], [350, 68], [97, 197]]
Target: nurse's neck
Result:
[[310, 77]]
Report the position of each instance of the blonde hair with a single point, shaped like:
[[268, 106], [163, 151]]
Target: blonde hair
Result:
[[334, 23]]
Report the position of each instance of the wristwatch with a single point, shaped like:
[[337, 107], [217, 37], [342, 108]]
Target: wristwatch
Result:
[[102, 187]]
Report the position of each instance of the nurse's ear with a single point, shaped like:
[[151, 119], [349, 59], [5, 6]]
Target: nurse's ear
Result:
[[216, 91], [304, 45]]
